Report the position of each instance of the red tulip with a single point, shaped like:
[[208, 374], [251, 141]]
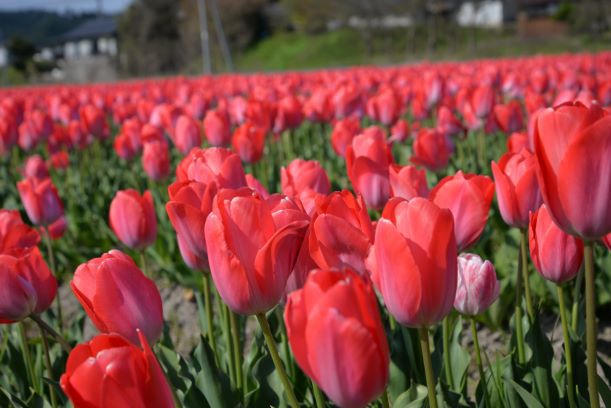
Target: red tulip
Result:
[[482, 101], [557, 256], [214, 164], [118, 298], [336, 334], [431, 149], [517, 141], [35, 167], [407, 182], [340, 233], [251, 255], [110, 371], [254, 184], [385, 107], [26, 285], [57, 229], [93, 121], [347, 101], [14, 234], [477, 286], [468, 197], [607, 240], [399, 132], [303, 175], [289, 114], [156, 160], [217, 128], [132, 218], [8, 134], [343, 132], [187, 134], [189, 205], [40, 199], [413, 262], [317, 108], [573, 146], [59, 160], [248, 141], [509, 117], [124, 147], [447, 123], [516, 186], [367, 161]]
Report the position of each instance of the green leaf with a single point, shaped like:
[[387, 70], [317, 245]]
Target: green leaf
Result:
[[541, 364], [213, 383], [460, 359], [414, 397], [526, 396]]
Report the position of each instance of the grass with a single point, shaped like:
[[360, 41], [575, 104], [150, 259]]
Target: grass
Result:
[[345, 47]]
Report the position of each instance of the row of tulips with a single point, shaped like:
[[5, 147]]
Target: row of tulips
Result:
[[350, 284]]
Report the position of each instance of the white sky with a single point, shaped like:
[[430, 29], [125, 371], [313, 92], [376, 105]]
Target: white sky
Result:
[[108, 6]]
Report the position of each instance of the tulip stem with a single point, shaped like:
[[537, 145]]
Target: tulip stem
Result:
[[428, 365], [45, 345], [524, 260], [318, 398], [576, 299], [478, 359], [47, 238], [237, 350], [591, 324], [567, 348], [27, 356], [208, 306], [447, 363], [271, 345], [143, 264], [518, 317], [58, 337], [384, 398], [229, 344]]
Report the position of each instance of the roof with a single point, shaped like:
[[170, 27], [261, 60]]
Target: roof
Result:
[[97, 27]]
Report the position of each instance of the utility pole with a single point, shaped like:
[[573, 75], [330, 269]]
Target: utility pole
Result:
[[220, 33], [205, 38]]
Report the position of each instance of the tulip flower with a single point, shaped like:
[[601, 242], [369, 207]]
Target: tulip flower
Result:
[[189, 205], [482, 101], [132, 218], [413, 261], [343, 132], [431, 149], [214, 164], [340, 234], [468, 197], [156, 160], [557, 256], [407, 182], [303, 175], [447, 123], [289, 114], [27, 286], [337, 337], [367, 161], [118, 298], [517, 141], [14, 233], [217, 128], [248, 141], [40, 200], [110, 371], [399, 132], [385, 107], [572, 145], [251, 254], [477, 285], [516, 187], [59, 160], [187, 134], [509, 116], [255, 184], [35, 167], [607, 240]]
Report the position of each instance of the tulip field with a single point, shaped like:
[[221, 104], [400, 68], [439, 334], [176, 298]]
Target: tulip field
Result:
[[430, 235]]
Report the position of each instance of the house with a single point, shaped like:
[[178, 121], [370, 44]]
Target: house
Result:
[[88, 52]]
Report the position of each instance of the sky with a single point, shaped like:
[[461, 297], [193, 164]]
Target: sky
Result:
[[108, 6]]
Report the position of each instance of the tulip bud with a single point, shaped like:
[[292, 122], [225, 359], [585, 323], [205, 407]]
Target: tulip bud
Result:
[[217, 128], [335, 332], [26, 285], [557, 256], [41, 200], [35, 167], [156, 160], [14, 234], [468, 196], [516, 186], [118, 298], [187, 134], [477, 286], [408, 182], [214, 164], [132, 218], [109, 370], [251, 253], [248, 141], [413, 261]]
